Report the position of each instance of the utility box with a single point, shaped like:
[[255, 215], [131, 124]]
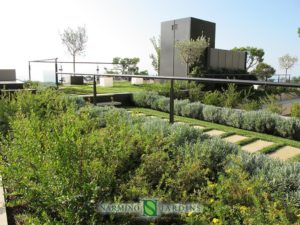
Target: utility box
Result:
[[181, 29]]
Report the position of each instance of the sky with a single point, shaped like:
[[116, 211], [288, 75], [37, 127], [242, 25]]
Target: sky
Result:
[[31, 29]]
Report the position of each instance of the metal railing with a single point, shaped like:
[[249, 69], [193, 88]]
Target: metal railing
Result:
[[172, 79], [55, 61], [169, 78]]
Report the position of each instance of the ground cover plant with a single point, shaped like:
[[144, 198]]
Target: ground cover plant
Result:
[[60, 158], [259, 121]]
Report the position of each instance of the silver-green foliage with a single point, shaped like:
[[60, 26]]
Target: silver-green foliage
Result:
[[259, 121]]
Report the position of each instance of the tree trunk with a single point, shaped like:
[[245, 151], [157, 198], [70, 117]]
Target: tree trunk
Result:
[[74, 65]]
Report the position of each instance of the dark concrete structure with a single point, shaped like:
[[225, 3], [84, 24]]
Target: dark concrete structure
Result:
[[192, 28], [8, 79]]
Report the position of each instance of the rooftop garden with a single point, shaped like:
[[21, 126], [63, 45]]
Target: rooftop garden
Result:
[[61, 157]]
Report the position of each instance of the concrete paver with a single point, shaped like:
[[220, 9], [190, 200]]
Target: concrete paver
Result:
[[256, 146], [285, 153]]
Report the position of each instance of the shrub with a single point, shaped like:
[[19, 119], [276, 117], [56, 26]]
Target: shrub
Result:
[[58, 166], [194, 110], [212, 113], [231, 96], [260, 121], [213, 98], [179, 105], [288, 128], [295, 110], [251, 105]]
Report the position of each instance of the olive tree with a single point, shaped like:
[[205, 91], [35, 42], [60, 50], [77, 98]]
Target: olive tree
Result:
[[75, 41], [263, 71], [155, 57], [254, 56], [190, 50], [287, 62]]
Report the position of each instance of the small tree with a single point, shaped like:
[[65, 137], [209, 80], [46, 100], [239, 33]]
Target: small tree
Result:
[[155, 57], [299, 31], [254, 55], [263, 71], [287, 62], [191, 50], [75, 41]]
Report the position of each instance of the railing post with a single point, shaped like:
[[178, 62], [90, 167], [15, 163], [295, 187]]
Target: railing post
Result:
[[29, 70], [94, 90], [171, 119], [56, 73]]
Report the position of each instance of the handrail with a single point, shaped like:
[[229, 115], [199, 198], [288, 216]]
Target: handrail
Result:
[[172, 79]]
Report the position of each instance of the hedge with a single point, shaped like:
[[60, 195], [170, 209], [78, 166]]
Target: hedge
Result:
[[258, 121]]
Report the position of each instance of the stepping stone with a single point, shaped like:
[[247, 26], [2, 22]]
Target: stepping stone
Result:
[[198, 127], [214, 133], [285, 153], [235, 138], [256, 146]]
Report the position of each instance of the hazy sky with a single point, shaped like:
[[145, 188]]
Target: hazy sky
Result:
[[30, 29]]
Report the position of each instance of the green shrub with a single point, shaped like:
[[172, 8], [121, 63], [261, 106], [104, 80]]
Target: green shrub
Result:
[[295, 110], [58, 166], [231, 96], [272, 105], [213, 98], [251, 105]]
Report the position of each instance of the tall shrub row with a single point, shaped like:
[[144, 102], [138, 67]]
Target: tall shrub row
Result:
[[259, 121]]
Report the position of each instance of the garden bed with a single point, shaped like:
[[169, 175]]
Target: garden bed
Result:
[[60, 159]]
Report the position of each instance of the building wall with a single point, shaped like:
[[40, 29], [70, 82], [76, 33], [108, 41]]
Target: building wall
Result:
[[192, 28], [226, 59], [176, 30], [7, 75]]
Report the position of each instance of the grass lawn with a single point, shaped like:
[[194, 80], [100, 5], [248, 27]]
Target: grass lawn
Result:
[[277, 140], [119, 86]]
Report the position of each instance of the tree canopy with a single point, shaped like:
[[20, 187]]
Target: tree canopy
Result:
[[125, 66], [191, 50], [287, 62], [254, 56], [155, 57], [75, 41], [263, 71]]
